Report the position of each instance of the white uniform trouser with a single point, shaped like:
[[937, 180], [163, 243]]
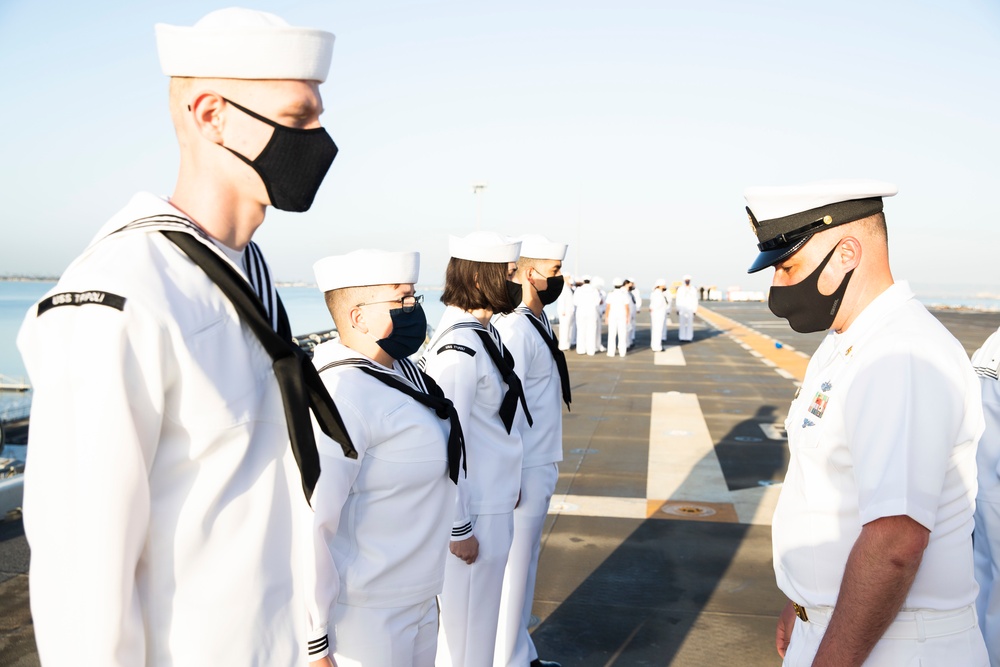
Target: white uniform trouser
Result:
[[567, 331], [369, 637], [514, 645], [470, 600], [586, 333], [658, 332], [685, 328], [901, 645], [617, 335], [986, 547]]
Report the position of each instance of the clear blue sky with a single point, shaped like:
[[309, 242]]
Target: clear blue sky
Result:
[[628, 129]]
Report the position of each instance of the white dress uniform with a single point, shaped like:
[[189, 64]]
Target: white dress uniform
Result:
[[587, 300], [636, 306], [658, 304], [619, 306], [986, 544], [885, 423], [539, 473], [687, 303], [470, 601], [567, 318], [382, 522], [159, 460]]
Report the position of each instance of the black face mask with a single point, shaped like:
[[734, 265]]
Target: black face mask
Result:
[[802, 304], [553, 288], [515, 293], [292, 164], [408, 332]]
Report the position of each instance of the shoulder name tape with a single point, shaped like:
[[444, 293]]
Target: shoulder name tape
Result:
[[455, 346], [81, 299]]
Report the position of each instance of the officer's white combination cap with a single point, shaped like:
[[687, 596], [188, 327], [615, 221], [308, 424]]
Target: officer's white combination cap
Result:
[[238, 43], [537, 246], [367, 267], [484, 247], [784, 218]]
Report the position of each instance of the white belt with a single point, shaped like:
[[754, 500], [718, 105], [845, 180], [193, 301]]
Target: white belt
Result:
[[917, 624]]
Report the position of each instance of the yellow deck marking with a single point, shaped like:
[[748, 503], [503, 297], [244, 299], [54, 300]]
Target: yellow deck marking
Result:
[[791, 361]]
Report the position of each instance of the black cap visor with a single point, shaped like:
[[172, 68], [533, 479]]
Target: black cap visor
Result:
[[771, 257]]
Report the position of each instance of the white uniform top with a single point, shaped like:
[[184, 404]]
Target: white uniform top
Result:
[[382, 522], [619, 304], [161, 499], [465, 372], [542, 387], [686, 299], [564, 304], [986, 361], [885, 424], [587, 300], [658, 301]]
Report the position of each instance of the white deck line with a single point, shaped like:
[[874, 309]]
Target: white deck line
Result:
[[671, 356], [683, 466]]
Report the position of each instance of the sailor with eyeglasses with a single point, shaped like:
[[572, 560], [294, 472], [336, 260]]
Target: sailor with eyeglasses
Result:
[[383, 521]]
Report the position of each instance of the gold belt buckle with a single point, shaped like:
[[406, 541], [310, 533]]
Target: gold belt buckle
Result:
[[800, 611]]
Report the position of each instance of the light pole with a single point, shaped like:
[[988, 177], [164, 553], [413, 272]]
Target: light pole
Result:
[[477, 191]]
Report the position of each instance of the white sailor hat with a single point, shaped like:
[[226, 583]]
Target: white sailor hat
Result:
[[662, 282], [687, 276], [617, 282], [367, 267], [238, 43], [537, 246], [484, 247], [784, 218]]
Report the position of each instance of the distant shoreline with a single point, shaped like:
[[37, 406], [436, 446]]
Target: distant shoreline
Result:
[[29, 279]]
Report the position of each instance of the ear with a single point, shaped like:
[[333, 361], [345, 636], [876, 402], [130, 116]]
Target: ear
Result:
[[848, 253], [357, 319], [208, 110]]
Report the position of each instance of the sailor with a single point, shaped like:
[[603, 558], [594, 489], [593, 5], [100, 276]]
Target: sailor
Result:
[[164, 354], [986, 542], [658, 305], [477, 372], [527, 334], [687, 303], [567, 316], [873, 528], [618, 309], [587, 301], [602, 310], [634, 309], [382, 521]]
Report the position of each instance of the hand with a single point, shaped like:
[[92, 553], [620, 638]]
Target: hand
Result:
[[328, 661], [467, 549], [783, 633]]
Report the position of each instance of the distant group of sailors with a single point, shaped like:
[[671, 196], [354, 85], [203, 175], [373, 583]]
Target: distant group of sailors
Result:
[[586, 307]]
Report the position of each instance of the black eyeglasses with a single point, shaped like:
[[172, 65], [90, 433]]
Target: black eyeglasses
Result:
[[407, 303]]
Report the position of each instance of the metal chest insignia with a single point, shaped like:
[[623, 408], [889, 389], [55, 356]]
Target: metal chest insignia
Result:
[[826, 386], [807, 422]]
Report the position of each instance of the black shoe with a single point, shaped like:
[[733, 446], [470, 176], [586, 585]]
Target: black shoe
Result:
[[543, 663]]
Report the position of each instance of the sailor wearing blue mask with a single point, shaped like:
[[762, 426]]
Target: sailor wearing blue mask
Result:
[[873, 528], [383, 521], [168, 357]]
